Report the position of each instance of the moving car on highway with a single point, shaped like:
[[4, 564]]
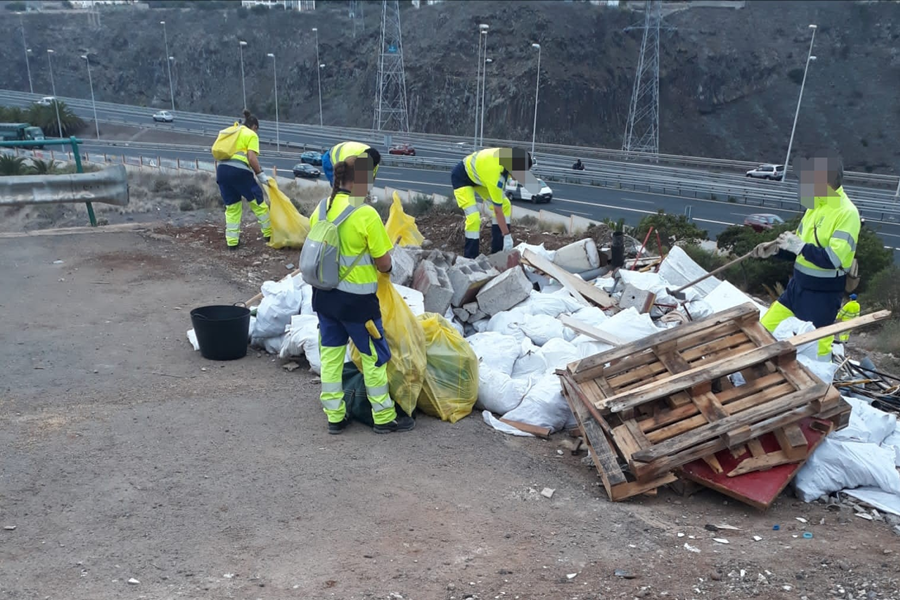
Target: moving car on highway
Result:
[[163, 116], [517, 191], [767, 172], [402, 149], [311, 158], [46, 101], [762, 221], [306, 171]]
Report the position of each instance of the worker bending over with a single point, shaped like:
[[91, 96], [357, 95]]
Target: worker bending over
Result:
[[486, 172], [235, 179], [351, 310], [848, 312], [338, 153], [825, 247]]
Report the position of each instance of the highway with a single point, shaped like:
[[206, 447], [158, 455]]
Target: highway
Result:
[[587, 201]]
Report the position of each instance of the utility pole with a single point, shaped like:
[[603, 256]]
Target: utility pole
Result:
[[390, 95], [809, 59], [277, 126], [53, 87], [483, 88], [241, 44], [642, 129], [27, 50], [168, 64], [318, 74], [482, 41], [537, 88], [93, 102]]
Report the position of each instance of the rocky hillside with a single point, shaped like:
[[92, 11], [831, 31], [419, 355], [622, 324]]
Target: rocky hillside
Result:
[[729, 78]]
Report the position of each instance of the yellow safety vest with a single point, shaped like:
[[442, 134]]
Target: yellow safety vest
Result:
[[849, 311], [247, 140], [832, 225], [484, 169]]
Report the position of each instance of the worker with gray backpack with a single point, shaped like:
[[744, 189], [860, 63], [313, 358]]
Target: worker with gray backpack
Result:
[[346, 248]]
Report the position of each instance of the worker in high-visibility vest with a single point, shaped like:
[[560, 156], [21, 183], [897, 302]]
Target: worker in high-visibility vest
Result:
[[849, 311], [351, 311], [486, 172], [236, 181], [824, 246], [341, 151]]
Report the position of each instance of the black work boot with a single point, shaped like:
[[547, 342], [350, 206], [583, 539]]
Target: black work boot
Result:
[[401, 423], [233, 248], [339, 427], [267, 239]]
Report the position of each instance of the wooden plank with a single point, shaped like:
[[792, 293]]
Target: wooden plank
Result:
[[836, 328], [576, 286], [710, 407], [713, 463], [605, 458], [577, 393], [762, 463], [639, 374], [756, 448], [541, 432], [591, 331], [682, 332], [635, 488], [673, 361], [757, 413], [609, 369], [636, 434], [685, 380], [679, 399], [725, 343], [792, 441]]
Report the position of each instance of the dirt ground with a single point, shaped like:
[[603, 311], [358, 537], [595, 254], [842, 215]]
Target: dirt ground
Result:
[[126, 455]]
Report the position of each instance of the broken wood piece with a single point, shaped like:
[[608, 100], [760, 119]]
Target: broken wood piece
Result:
[[824, 332], [762, 463], [541, 432], [591, 331], [579, 288], [792, 441]]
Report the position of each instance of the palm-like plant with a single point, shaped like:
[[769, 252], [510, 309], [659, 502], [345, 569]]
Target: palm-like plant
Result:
[[45, 118], [12, 165], [12, 114], [43, 167]]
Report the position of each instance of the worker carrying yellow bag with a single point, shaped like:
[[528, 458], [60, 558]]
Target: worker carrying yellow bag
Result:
[[401, 227], [289, 227], [406, 340], [451, 376]]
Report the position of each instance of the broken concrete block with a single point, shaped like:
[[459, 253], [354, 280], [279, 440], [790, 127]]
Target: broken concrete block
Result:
[[578, 257], [404, 265], [504, 292], [505, 260], [462, 314], [641, 300], [435, 286], [471, 307], [467, 276]]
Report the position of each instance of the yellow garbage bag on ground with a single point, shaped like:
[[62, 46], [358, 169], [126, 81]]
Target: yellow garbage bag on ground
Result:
[[289, 227], [406, 339], [401, 227], [451, 376]]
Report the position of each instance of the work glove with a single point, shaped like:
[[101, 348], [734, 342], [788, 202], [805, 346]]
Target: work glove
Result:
[[263, 179], [790, 242], [765, 250], [507, 242]]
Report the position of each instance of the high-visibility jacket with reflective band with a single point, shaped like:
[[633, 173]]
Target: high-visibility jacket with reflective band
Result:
[[849, 311], [830, 231], [247, 140], [363, 239], [484, 169], [346, 149]]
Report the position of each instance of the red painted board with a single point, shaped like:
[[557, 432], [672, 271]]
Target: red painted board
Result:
[[760, 488]]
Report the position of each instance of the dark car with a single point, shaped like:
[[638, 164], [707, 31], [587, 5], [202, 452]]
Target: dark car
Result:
[[403, 149], [306, 171], [762, 222], [311, 158]]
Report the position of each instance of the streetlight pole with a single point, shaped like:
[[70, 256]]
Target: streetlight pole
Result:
[[93, 102], [318, 73], [482, 39], [809, 59], [537, 88], [168, 64], [27, 51], [277, 130], [241, 45], [53, 87], [483, 89]]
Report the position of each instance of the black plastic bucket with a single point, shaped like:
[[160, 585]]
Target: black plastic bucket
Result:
[[222, 331]]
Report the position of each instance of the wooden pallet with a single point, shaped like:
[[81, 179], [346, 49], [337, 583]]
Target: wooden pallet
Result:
[[654, 405]]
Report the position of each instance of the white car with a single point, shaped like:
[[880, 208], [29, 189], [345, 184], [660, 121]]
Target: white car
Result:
[[517, 191], [767, 172], [163, 116], [46, 101]]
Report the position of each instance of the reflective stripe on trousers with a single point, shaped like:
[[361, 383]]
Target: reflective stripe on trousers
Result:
[[261, 211], [233, 214]]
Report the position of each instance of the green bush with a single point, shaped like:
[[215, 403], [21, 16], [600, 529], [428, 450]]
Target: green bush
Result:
[[872, 256], [16, 6], [45, 118], [671, 229], [883, 290], [12, 165]]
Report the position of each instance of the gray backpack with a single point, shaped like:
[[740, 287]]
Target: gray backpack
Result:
[[320, 259]]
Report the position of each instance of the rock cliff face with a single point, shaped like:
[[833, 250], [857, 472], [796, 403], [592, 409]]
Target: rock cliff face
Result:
[[729, 79]]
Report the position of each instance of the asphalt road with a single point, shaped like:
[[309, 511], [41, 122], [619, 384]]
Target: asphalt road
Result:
[[586, 201]]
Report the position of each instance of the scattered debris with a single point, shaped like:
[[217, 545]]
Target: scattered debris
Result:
[[721, 540], [133, 581], [690, 548], [9, 527], [547, 492], [624, 574], [290, 367]]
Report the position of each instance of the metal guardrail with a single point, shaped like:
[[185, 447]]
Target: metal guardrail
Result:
[[546, 151], [109, 186]]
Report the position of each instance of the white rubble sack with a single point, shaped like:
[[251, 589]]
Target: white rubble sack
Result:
[[629, 325], [883, 501], [498, 392], [414, 299], [726, 296], [544, 406], [542, 328], [540, 250], [559, 353], [854, 457], [531, 362], [302, 339], [793, 326], [281, 301], [509, 322], [680, 269], [893, 441], [552, 304], [495, 350]]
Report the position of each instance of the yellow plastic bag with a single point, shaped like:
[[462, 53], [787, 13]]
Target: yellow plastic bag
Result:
[[451, 376], [289, 227], [406, 339], [401, 227]]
